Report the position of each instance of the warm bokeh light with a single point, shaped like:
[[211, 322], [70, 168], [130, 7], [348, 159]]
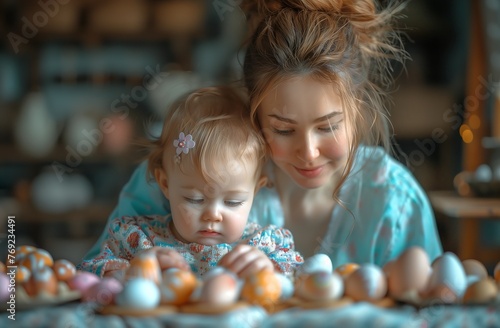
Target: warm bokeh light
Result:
[[474, 122], [467, 136]]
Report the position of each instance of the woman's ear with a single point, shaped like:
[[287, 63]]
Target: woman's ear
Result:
[[161, 179]]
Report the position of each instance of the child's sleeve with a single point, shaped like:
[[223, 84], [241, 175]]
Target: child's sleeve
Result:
[[277, 243], [125, 239]]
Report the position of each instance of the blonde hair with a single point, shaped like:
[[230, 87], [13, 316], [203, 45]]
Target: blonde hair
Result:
[[348, 43], [217, 119]]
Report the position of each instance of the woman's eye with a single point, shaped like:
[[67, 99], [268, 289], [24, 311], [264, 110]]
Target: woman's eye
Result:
[[194, 200], [282, 132], [233, 203], [329, 128]]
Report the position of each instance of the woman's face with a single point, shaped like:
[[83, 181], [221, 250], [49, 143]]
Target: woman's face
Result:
[[303, 123]]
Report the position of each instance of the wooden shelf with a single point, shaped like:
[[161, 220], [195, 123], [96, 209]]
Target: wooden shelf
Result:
[[94, 212]]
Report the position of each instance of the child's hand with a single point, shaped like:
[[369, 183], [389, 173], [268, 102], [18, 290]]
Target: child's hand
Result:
[[245, 260], [169, 258]]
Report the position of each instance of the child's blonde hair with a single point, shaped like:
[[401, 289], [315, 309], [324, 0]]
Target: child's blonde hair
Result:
[[347, 43], [217, 119]]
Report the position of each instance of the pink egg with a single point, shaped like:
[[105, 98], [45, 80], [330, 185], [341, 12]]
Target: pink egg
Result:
[[103, 292], [4, 288], [82, 281]]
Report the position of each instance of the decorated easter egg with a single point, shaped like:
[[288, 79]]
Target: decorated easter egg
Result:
[[104, 292], [446, 270], [23, 274], [139, 293], [42, 280], [177, 286], [368, 283], [475, 268], [346, 269], [410, 272], [220, 289], [37, 259], [482, 291], [262, 288], [320, 286], [82, 281], [4, 287], [316, 263], [64, 269], [23, 251], [146, 266]]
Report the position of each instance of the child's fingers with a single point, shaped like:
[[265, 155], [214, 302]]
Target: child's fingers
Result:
[[228, 259], [262, 263]]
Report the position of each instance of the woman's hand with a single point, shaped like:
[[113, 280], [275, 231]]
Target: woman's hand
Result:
[[169, 258], [245, 260]]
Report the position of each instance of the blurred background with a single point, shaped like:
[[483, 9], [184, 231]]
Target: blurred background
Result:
[[81, 80]]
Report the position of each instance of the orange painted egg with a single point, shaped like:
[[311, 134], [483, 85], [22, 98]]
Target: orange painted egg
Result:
[[64, 269], [37, 259], [346, 269], [145, 266], [23, 274], [23, 251], [41, 281], [177, 286], [262, 288]]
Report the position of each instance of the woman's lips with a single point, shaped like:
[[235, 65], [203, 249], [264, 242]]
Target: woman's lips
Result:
[[310, 173]]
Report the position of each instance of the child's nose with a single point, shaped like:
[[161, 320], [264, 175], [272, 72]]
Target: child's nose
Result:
[[212, 213]]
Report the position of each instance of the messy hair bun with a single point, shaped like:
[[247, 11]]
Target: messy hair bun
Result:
[[350, 44]]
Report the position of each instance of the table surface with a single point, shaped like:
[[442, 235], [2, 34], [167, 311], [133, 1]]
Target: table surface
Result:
[[356, 315], [453, 205]]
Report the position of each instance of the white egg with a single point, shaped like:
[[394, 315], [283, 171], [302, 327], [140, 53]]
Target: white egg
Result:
[[316, 263], [320, 286], [139, 293], [286, 286], [448, 270]]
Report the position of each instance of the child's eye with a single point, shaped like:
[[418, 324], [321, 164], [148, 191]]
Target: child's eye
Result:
[[330, 128], [282, 132], [194, 200], [233, 203]]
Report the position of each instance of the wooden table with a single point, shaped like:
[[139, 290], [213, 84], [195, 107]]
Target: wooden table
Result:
[[469, 213]]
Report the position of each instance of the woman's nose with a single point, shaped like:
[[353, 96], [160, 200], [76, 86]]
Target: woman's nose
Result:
[[212, 213], [308, 149]]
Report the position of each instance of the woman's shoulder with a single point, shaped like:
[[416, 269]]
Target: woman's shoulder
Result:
[[377, 169]]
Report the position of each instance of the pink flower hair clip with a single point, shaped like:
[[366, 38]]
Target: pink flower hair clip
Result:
[[183, 144]]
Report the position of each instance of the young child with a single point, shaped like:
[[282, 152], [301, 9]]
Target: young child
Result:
[[207, 163]]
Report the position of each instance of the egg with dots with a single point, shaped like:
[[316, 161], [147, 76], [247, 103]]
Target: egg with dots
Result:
[[23, 274], [261, 288], [368, 283], [37, 259], [177, 286], [346, 269], [146, 266], [23, 251], [447, 281], [64, 269], [42, 281], [104, 292], [408, 273], [319, 286]]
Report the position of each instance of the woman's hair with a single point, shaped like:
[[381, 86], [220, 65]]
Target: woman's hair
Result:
[[347, 43], [217, 119]]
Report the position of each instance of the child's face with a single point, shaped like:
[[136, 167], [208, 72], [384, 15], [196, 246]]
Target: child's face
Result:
[[209, 213], [309, 148]]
